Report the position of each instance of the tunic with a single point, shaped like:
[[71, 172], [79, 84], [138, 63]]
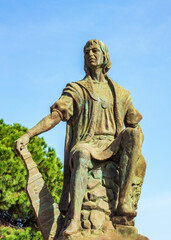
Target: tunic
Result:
[[94, 119]]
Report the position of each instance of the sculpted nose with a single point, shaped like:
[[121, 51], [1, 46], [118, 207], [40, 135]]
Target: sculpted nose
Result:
[[90, 52]]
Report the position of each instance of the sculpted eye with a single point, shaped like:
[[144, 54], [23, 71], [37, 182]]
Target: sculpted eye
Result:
[[95, 50]]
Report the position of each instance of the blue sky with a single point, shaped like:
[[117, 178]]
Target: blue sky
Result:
[[41, 46]]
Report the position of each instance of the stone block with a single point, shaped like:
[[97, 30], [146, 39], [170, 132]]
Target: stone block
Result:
[[98, 192], [103, 206], [93, 183], [85, 214], [97, 174], [107, 226], [89, 205], [86, 224], [97, 218]]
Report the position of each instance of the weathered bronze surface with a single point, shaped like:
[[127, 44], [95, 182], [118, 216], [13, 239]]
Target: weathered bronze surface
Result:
[[103, 167]]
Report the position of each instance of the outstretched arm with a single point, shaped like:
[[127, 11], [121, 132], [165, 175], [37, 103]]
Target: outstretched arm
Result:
[[44, 125]]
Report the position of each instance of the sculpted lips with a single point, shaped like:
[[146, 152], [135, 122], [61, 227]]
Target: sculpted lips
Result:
[[92, 59]]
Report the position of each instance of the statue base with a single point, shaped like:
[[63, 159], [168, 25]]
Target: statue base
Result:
[[98, 215], [107, 232]]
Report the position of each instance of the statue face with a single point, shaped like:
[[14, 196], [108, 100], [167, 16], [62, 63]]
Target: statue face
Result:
[[93, 55]]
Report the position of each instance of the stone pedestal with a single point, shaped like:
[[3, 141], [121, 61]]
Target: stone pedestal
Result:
[[98, 215], [100, 201]]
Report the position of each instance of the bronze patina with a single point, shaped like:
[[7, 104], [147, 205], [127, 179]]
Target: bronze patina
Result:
[[103, 167]]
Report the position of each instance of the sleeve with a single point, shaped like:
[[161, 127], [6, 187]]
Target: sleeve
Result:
[[69, 103], [132, 117], [64, 107]]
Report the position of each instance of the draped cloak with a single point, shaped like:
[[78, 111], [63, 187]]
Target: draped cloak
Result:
[[81, 125]]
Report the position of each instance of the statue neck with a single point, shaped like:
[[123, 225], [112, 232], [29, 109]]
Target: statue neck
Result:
[[97, 75]]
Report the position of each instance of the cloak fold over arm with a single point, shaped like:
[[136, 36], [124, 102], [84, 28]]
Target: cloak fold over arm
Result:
[[132, 117], [67, 107], [67, 103]]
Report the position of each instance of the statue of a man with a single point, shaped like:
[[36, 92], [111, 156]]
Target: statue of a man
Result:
[[95, 109]]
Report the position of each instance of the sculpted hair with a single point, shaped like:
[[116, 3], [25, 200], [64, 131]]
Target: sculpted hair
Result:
[[104, 49]]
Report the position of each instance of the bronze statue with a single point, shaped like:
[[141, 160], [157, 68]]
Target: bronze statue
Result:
[[96, 110]]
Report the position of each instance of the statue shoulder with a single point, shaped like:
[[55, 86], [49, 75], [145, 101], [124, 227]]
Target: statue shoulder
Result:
[[73, 88], [79, 85], [73, 85], [119, 90], [82, 82]]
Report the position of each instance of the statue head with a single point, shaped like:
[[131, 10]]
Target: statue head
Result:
[[104, 59]]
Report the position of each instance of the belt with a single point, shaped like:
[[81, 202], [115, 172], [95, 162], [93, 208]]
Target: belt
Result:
[[103, 137]]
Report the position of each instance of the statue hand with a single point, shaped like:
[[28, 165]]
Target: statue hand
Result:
[[21, 143]]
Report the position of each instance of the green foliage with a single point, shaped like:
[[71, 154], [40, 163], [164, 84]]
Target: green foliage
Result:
[[20, 234], [13, 174]]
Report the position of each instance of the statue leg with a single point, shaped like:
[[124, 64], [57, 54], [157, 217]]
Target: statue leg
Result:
[[78, 186], [131, 149]]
